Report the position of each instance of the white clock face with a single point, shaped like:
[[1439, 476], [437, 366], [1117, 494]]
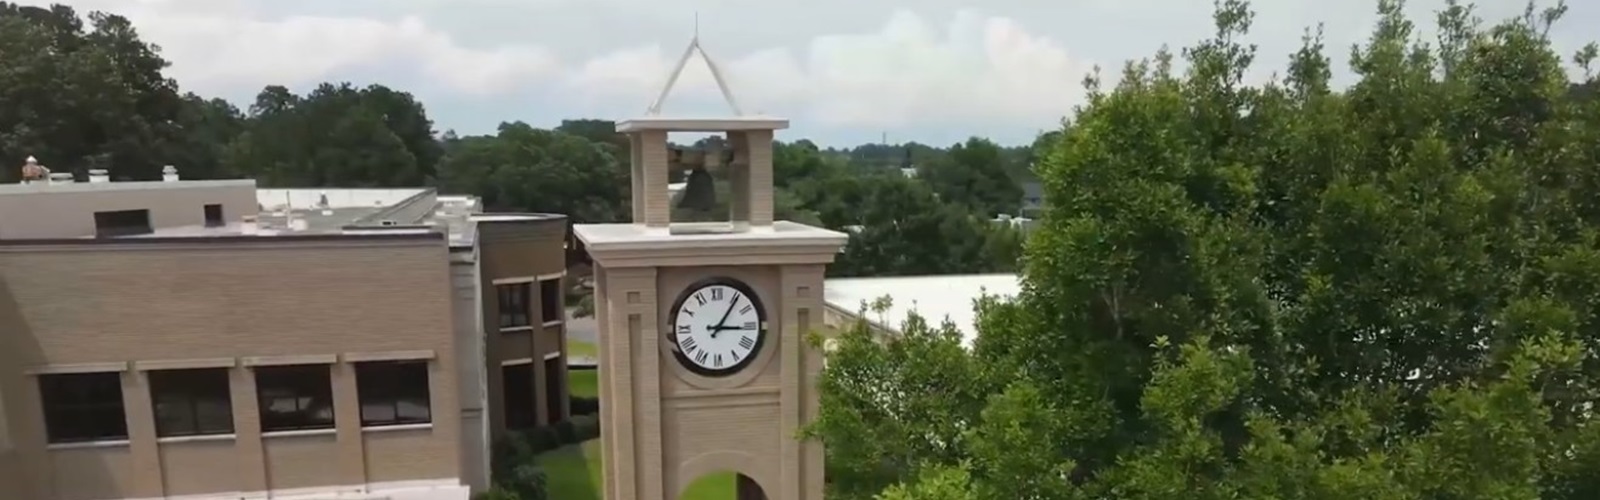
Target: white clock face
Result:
[[717, 328]]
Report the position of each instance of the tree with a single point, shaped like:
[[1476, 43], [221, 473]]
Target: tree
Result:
[[120, 113], [976, 174], [1282, 291], [337, 135], [901, 228], [526, 169]]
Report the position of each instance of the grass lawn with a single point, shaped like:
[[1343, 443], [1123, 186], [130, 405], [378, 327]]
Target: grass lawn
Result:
[[581, 349], [574, 474], [584, 383]]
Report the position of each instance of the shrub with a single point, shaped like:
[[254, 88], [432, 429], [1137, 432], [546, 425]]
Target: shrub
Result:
[[497, 493], [580, 405], [513, 467], [527, 482], [585, 427], [562, 434]]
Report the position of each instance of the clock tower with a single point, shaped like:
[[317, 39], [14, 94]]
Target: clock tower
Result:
[[704, 365]]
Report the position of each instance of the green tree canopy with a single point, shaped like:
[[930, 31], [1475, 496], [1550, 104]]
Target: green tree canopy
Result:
[[84, 97], [1275, 291], [337, 135]]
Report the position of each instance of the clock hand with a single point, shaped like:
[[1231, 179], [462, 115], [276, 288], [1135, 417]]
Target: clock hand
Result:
[[722, 323]]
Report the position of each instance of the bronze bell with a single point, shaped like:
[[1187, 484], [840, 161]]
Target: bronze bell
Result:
[[699, 190]]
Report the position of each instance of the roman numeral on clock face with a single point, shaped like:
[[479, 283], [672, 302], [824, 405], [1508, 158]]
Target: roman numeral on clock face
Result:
[[747, 342], [687, 343], [701, 358]]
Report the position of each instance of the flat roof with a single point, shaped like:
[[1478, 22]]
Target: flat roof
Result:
[[42, 187], [699, 234], [353, 212], [935, 298], [367, 198], [222, 238], [702, 124]]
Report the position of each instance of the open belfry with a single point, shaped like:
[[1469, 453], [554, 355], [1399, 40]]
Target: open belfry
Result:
[[704, 364]]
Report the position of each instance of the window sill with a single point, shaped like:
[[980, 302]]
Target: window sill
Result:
[[299, 433], [112, 443], [554, 322], [398, 427], [197, 438], [516, 329]]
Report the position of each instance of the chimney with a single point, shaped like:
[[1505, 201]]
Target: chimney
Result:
[[169, 173], [98, 176], [247, 225], [60, 178]]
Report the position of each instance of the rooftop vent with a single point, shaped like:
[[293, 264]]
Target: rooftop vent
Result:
[[169, 173], [98, 176], [61, 177], [386, 223]]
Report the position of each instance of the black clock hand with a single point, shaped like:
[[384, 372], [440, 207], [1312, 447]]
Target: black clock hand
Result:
[[722, 323]]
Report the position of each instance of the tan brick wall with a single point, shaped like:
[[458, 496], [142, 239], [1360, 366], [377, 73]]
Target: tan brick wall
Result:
[[68, 211], [651, 200], [170, 300], [664, 427], [519, 250]]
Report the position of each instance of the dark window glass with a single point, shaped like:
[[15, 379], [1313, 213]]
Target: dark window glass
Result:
[[393, 393], [122, 223], [550, 299], [191, 402], [214, 216], [81, 407], [514, 305], [297, 397], [554, 385], [517, 386]]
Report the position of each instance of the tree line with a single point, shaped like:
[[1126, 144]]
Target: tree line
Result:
[[1276, 291], [85, 92]]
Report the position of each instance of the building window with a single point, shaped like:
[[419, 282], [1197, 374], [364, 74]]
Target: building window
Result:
[[550, 299], [191, 402], [122, 223], [517, 391], [81, 407], [214, 216], [5, 432], [514, 305], [555, 384], [393, 393], [297, 397]]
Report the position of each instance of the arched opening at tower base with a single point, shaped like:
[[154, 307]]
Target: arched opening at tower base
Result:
[[724, 484]]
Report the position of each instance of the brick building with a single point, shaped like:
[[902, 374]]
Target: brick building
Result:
[[209, 339]]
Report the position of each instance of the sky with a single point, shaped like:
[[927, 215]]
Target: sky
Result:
[[844, 72]]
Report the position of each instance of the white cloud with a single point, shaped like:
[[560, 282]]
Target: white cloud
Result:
[[215, 45], [973, 69], [969, 69]]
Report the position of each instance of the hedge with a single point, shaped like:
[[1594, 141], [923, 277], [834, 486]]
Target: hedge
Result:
[[580, 405], [518, 448], [515, 475]]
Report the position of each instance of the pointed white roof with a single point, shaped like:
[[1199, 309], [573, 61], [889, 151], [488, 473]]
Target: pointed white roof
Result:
[[738, 120]]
